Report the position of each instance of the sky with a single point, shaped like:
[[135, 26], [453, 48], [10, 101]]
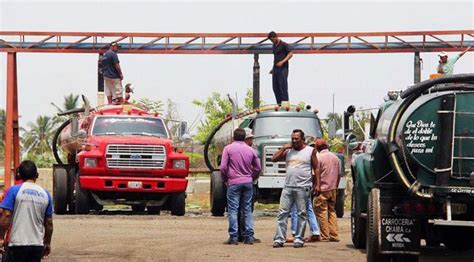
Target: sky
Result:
[[359, 79]]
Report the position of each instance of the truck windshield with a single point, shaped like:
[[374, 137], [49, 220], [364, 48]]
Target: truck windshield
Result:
[[283, 126], [116, 125]]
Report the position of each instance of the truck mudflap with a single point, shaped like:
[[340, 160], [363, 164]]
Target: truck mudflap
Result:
[[398, 235], [134, 184]]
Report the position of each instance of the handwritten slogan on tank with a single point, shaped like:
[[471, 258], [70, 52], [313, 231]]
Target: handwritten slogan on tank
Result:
[[419, 136]]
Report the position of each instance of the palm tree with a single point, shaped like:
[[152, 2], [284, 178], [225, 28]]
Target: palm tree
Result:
[[70, 101], [37, 139]]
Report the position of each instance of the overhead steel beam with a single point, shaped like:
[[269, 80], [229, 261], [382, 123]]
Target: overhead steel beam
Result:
[[238, 43]]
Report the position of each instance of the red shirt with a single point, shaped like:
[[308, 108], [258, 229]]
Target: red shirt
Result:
[[329, 166]]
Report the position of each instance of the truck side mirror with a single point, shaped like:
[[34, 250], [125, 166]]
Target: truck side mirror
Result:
[[373, 126], [81, 134], [347, 114], [182, 131]]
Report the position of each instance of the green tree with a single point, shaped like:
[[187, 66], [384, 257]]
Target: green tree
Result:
[[70, 102], [361, 117], [337, 118], [153, 106], [216, 108], [37, 140]]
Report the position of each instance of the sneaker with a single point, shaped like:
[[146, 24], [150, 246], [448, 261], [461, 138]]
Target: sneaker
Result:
[[313, 238], [298, 245], [277, 244], [257, 240], [249, 241], [231, 242], [334, 240]]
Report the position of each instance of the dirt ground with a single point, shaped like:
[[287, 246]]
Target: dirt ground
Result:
[[119, 235]]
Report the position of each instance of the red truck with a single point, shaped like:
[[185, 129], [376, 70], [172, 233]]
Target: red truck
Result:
[[117, 155]]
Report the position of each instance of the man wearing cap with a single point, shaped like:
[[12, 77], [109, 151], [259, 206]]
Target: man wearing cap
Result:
[[327, 181], [113, 75], [241, 218], [239, 167], [446, 64], [281, 55]]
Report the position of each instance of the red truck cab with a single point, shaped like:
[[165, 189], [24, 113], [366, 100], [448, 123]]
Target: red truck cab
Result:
[[126, 157]]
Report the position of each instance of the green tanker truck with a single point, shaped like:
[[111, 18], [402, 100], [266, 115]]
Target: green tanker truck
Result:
[[415, 177], [271, 127]]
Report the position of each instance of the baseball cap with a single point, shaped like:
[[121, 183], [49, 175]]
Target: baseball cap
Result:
[[320, 142], [248, 133], [443, 54]]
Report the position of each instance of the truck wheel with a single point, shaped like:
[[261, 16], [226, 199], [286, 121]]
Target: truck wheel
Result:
[[138, 208], [81, 197], [218, 195], [71, 181], [178, 204], [458, 238], [373, 220], [340, 202], [60, 191], [153, 210], [358, 223]]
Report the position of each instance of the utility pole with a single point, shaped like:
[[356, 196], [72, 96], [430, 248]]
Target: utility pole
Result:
[[256, 82], [417, 62]]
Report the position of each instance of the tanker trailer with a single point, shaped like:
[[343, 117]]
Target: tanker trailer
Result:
[[415, 177]]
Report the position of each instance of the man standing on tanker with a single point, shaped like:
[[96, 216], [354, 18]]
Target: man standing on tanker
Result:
[[281, 55], [113, 75]]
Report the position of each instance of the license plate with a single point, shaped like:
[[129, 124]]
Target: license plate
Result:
[[133, 184], [457, 208]]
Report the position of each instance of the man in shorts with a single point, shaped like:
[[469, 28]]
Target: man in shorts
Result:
[[113, 75]]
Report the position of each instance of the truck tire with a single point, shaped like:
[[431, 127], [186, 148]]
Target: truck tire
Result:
[[458, 238], [153, 210], [340, 202], [138, 208], [71, 181], [358, 224], [81, 198], [60, 191], [218, 195], [373, 220], [178, 204]]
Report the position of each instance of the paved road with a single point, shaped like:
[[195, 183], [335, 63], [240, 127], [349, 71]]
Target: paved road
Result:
[[113, 236]]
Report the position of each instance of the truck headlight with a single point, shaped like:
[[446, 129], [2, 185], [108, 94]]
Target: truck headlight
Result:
[[179, 164], [90, 162]]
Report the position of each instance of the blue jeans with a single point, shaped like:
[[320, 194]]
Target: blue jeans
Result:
[[313, 222], [292, 196], [280, 84], [240, 194]]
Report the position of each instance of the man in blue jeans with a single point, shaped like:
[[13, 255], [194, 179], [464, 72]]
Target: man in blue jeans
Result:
[[240, 166], [281, 55], [312, 221], [301, 166]]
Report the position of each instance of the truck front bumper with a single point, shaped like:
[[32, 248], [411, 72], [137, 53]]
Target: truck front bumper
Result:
[[134, 184]]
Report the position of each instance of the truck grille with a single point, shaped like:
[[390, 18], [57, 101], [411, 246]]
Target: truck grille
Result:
[[136, 156], [272, 168]]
